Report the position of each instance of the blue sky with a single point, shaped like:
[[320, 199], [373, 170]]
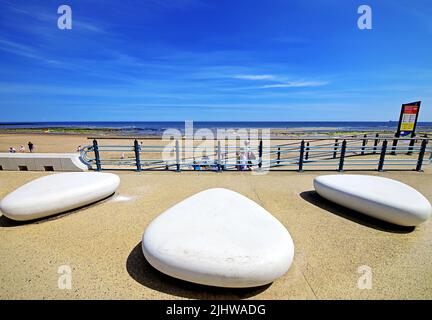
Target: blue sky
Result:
[[153, 60]]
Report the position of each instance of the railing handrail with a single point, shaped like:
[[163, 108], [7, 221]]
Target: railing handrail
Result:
[[306, 138], [302, 154]]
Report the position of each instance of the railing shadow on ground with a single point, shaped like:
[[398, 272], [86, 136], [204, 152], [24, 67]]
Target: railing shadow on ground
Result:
[[314, 198], [142, 272]]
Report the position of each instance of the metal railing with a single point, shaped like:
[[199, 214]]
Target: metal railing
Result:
[[342, 153]]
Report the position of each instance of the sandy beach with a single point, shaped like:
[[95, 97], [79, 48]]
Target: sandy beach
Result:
[[58, 142], [44, 142], [101, 243]]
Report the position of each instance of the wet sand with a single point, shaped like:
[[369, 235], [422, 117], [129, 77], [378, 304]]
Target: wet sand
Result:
[[101, 243]]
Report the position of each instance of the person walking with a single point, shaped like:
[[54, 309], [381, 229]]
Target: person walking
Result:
[[31, 146], [21, 148]]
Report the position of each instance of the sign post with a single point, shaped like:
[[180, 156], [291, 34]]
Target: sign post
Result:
[[407, 123]]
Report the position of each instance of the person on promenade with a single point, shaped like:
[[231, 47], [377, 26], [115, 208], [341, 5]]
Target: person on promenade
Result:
[[21, 148], [195, 165], [243, 160], [249, 155], [12, 150], [78, 148], [31, 146], [205, 161], [238, 161]]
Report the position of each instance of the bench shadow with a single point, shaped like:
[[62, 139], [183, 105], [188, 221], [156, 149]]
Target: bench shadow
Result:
[[5, 222], [142, 272], [314, 198]]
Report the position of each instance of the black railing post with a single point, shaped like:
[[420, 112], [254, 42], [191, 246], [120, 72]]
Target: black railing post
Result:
[[177, 147], [219, 159], [375, 143], [97, 156], [364, 142], [336, 146], [225, 156], [301, 157], [307, 151], [278, 156], [342, 156], [411, 145], [421, 155], [382, 156], [394, 146], [260, 153], [137, 155]]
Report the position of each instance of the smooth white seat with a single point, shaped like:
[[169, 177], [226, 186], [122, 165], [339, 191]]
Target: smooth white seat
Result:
[[379, 197], [57, 193], [218, 237]]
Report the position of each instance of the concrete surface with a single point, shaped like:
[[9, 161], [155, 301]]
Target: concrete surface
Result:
[[42, 162], [101, 243]]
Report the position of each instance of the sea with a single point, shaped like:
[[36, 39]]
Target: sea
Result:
[[158, 127]]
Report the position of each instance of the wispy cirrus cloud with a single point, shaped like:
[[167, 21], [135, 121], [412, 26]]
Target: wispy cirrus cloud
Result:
[[23, 51], [40, 14], [278, 81], [295, 84], [255, 77]]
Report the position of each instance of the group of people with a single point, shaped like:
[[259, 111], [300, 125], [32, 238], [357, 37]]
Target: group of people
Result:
[[204, 164], [22, 148], [244, 160], [245, 157]]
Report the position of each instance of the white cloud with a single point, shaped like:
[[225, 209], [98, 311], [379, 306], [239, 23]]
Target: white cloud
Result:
[[278, 81], [255, 77], [296, 84], [23, 51], [42, 15]]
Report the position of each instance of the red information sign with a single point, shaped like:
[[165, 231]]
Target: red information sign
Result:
[[408, 119]]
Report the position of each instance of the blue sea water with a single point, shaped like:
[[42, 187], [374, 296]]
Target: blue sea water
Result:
[[156, 128]]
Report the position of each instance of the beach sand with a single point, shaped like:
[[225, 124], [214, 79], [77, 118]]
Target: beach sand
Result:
[[101, 243], [43, 142], [52, 142]]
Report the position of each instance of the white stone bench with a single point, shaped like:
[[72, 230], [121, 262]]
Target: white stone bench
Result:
[[42, 162]]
